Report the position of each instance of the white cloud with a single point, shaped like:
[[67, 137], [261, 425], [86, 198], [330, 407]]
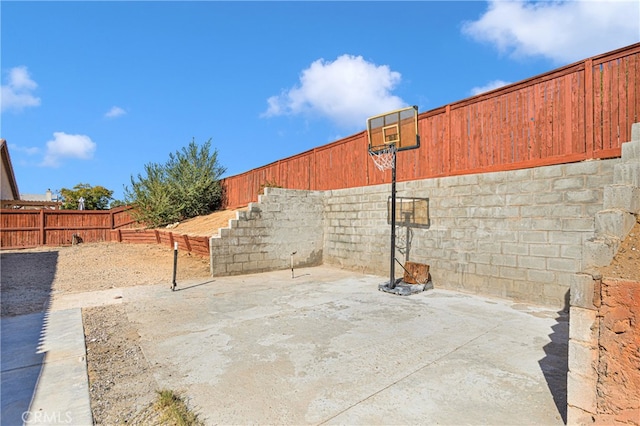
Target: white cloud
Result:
[[114, 112], [17, 93], [495, 84], [26, 150], [65, 145], [564, 31], [347, 91]]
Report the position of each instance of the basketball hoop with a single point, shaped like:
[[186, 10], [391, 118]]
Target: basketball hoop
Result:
[[384, 158]]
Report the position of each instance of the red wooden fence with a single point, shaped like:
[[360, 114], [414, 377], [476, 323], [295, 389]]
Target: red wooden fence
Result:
[[32, 228], [192, 244], [578, 112]]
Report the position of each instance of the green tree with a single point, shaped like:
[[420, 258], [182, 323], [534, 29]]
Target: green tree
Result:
[[117, 203], [187, 185], [95, 197]]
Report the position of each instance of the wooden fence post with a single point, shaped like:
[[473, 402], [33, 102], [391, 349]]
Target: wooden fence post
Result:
[[588, 107], [41, 236], [187, 243]]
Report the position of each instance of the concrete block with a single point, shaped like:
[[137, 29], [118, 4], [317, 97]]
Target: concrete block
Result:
[[518, 199], [623, 197], [504, 260], [631, 151], [583, 359], [563, 237], [486, 269], [549, 197], [533, 237], [599, 252], [571, 252], [579, 417], [544, 250], [627, 174], [583, 168], [597, 182], [513, 273], [555, 294], [578, 224], [614, 223], [241, 257], [541, 276], [567, 183], [581, 392], [532, 262], [583, 325], [520, 249], [635, 132], [563, 265], [540, 173], [583, 196]]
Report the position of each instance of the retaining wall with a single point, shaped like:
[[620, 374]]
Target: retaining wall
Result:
[[263, 237], [515, 234]]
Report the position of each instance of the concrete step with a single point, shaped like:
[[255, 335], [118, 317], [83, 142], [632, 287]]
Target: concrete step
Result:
[[627, 173], [600, 252], [623, 197], [631, 151], [614, 223], [635, 132]]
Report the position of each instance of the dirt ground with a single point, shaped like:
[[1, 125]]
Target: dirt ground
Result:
[[122, 386]]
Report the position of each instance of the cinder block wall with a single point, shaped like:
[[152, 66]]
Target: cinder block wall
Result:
[[514, 234], [263, 237], [603, 381]]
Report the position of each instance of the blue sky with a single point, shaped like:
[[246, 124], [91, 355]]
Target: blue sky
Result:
[[93, 91]]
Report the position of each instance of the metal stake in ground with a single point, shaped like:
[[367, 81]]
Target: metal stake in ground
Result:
[[292, 254], [175, 265]]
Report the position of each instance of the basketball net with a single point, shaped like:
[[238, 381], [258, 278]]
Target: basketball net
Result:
[[384, 158]]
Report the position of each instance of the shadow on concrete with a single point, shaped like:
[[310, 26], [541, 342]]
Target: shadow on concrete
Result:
[[27, 280], [194, 285], [555, 364]]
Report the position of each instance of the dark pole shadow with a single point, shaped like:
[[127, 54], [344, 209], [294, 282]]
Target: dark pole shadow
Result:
[[301, 275], [555, 364], [27, 280], [194, 285]]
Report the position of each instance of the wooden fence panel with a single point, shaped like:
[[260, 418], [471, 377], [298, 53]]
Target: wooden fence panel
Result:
[[295, 172], [581, 111], [32, 228], [122, 217], [616, 87], [342, 164], [192, 244]]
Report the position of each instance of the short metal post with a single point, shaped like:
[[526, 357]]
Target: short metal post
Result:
[[175, 265], [292, 276]]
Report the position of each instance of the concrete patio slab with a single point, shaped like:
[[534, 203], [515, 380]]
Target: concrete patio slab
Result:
[[327, 347], [323, 347]]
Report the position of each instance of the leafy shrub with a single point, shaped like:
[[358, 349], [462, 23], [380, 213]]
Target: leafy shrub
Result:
[[187, 185]]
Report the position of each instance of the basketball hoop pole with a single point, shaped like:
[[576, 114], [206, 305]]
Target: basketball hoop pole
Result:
[[389, 133], [392, 266]]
